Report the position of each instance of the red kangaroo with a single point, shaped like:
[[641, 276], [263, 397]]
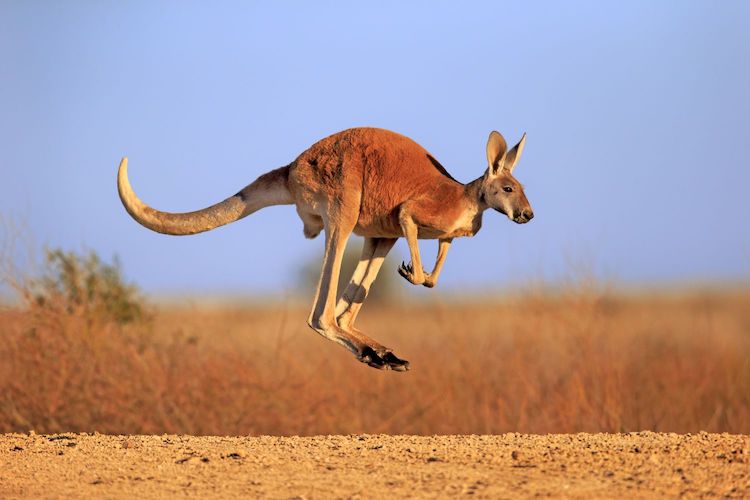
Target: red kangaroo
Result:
[[373, 183]]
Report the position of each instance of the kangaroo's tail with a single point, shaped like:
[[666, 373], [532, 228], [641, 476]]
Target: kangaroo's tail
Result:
[[268, 189]]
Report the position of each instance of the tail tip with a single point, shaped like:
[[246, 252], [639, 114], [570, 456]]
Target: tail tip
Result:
[[122, 170]]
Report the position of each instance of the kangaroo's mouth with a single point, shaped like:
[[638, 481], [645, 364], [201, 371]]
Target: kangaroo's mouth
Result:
[[520, 218], [525, 216]]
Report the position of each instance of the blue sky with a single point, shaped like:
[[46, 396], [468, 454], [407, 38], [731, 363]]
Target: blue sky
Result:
[[636, 161]]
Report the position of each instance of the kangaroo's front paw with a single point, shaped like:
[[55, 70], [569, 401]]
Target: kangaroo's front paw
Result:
[[407, 271], [429, 282]]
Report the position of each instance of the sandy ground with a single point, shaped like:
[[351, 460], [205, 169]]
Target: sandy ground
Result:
[[577, 465]]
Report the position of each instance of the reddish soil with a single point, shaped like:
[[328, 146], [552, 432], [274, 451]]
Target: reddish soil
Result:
[[642, 464]]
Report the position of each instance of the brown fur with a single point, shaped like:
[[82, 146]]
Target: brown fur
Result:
[[374, 183]]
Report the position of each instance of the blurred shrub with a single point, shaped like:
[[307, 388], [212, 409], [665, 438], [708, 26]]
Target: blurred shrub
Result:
[[83, 354], [85, 285], [577, 362]]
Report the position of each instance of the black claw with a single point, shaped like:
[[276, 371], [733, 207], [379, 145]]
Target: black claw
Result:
[[370, 357], [403, 271], [395, 363], [384, 360]]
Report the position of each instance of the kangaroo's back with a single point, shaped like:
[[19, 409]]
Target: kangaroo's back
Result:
[[384, 167], [398, 169]]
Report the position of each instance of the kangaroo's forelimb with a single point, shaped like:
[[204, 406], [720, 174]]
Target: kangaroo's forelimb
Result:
[[413, 271], [431, 279]]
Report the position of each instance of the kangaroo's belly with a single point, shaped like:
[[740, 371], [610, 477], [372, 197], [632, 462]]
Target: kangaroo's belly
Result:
[[386, 226], [389, 227]]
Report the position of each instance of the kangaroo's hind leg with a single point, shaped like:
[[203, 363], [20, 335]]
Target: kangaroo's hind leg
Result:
[[373, 256], [351, 301], [322, 317], [354, 291]]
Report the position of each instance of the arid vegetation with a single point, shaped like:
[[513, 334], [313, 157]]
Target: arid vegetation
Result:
[[579, 359]]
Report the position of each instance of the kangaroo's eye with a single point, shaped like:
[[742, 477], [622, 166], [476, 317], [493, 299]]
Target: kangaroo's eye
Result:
[[508, 189]]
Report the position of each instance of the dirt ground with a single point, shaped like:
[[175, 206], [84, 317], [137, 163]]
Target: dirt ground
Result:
[[510, 465]]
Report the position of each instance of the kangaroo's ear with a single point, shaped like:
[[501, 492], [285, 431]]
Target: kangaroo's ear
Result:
[[496, 148], [510, 160]]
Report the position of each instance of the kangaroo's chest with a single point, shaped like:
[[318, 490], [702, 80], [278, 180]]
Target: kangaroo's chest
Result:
[[467, 224], [464, 224]]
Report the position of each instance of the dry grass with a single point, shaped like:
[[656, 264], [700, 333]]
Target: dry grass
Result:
[[575, 361]]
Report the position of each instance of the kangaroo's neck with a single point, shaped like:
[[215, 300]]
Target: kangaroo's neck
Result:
[[473, 196], [468, 220]]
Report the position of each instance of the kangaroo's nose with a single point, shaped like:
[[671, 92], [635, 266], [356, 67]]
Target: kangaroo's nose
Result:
[[528, 214]]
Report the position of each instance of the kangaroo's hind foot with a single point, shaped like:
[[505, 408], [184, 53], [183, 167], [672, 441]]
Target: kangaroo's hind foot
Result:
[[382, 358], [375, 354]]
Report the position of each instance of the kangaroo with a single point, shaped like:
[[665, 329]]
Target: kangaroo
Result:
[[374, 183]]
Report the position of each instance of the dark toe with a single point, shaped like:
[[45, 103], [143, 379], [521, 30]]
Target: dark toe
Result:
[[372, 358], [396, 363], [383, 360]]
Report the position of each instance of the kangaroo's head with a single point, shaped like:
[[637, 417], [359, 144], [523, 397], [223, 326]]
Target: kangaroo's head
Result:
[[500, 190]]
